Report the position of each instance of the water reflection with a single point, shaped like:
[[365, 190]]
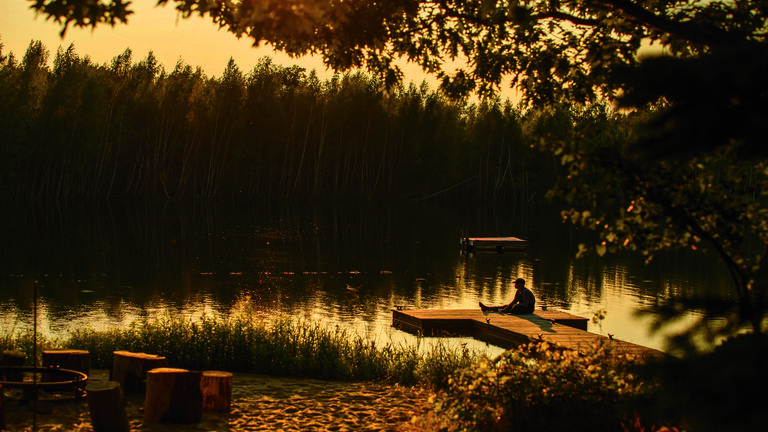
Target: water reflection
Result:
[[103, 264]]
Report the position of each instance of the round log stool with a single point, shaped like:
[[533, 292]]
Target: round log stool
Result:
[[130, 369], [106, 403], [2, 409], [13, 358], [217, 390], [77, 360], [173, 396]]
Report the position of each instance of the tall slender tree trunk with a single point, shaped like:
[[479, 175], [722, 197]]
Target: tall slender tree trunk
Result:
[[303, 150]]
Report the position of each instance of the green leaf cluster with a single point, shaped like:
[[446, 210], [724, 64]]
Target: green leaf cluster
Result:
[[550, 50], [685, 169], [540, 386], [716, 391]]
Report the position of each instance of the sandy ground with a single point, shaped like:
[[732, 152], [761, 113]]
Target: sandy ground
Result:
[[259, 403]]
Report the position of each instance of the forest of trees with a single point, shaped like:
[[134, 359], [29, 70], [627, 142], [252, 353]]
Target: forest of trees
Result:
[[72, 128]]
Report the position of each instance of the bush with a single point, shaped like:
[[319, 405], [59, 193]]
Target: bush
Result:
[[539, 386], [722, 390], [24, 342]]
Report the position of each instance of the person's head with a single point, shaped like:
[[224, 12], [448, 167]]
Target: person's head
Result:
[[520, 283]]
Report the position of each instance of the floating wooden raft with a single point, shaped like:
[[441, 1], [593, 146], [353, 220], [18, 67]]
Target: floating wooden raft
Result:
[[492, 244], [507, 331]]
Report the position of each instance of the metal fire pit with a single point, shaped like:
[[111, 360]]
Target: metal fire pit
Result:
[[50, 381]]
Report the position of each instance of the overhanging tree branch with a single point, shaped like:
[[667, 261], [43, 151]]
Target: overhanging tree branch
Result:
[[710, 36]]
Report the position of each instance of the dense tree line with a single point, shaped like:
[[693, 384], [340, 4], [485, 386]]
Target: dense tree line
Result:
[[72, 128]]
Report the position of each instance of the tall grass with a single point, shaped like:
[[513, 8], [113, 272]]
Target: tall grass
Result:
[[280, 347], [21, 341]]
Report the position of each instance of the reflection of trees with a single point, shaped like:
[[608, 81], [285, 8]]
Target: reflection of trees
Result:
[[126, 257], [113, 307], [674, 274], [559, 279], [140, 249]]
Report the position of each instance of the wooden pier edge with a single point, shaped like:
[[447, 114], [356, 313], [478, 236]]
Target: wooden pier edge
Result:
[[508, 331]]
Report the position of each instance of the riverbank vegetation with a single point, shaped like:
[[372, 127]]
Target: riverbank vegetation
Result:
[[541, 386], [536, 385], [280, 347]]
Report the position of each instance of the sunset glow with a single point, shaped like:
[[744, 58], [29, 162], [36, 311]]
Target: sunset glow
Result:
[[195, 41]]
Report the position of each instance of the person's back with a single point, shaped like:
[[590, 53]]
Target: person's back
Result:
[[523, 303], [527, 302]]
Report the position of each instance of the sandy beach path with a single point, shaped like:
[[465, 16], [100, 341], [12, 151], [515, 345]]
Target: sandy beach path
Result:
[[259, 403]]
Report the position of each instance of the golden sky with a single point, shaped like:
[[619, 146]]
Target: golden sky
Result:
[[196, 41]]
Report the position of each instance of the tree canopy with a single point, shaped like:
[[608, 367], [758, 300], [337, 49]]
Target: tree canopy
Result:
[[548, 49]]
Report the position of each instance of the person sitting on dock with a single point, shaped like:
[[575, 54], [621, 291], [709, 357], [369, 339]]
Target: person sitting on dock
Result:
[[522, 303]]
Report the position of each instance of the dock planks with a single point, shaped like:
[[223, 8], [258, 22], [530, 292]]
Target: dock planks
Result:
[[507, 331], [495, 244]]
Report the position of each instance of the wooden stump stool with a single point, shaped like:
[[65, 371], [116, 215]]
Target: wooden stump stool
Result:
[[173, 396], [77, 360], [107, 405], [2, 409], [130, 369], [217, 390], [13, 358]]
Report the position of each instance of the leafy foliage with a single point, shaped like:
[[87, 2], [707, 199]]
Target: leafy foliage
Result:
[[84, 13], [718, 391], [548, 49], [713, 100], [709, 202], [537, 387]]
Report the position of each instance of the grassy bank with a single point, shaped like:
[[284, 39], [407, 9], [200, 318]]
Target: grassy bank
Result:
[[535, 387], [280, 347]]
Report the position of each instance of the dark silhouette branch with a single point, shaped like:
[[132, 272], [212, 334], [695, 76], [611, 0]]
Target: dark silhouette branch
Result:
[[693, 33]]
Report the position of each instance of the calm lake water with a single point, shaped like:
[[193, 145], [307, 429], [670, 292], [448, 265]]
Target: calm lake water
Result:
[[103, 264]]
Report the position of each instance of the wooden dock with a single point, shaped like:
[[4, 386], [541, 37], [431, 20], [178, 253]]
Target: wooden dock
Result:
[[508, 331], [492, 244]]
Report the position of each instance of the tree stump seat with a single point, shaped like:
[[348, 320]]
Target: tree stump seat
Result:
[[106, 403], [217, 391], [13, 358], [130, 370], [72, 359], [173, 396], [2, 409]]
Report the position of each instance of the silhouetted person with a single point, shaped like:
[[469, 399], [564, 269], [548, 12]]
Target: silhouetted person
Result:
[[523, 302]]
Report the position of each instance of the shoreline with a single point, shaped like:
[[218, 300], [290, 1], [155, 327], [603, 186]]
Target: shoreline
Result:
[[259, 403]]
